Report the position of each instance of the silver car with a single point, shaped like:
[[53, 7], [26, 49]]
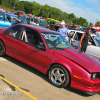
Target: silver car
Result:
[[93, 48]]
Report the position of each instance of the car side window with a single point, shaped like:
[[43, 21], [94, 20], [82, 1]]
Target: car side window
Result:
[[8, 18], [13, 31], [71, 34], [91, 40], [31, 37], [36, 21], [1, 16], [77, 36]]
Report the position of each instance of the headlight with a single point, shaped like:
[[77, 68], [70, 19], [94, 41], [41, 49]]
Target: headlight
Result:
[[95, 75]]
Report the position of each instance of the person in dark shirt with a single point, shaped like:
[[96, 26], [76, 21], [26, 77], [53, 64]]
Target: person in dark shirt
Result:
[[84, 40]]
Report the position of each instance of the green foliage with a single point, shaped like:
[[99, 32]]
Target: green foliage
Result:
[[19, 6], [98, 23], [91, 24], [1, 1], [36, 9], [5, 3], [27, 6], [9, 3]]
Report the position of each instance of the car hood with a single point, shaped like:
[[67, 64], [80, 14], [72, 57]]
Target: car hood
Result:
[[82, 59]]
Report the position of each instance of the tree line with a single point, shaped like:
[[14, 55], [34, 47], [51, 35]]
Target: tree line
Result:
[[45, 11]]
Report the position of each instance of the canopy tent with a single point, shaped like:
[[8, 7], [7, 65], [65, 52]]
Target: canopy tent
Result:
[[96, 27], [54, 20]]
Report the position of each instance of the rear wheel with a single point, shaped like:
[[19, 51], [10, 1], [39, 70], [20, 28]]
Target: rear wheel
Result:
[[2, 48], [59, 76]]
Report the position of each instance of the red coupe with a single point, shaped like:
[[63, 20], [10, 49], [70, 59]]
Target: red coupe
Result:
[[51, 53]]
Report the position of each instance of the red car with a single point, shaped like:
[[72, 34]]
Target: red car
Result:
[[51, 53]]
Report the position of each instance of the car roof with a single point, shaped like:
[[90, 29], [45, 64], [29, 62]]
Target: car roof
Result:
[[39, 28], [94, 35], [77, 31], [8, 14]]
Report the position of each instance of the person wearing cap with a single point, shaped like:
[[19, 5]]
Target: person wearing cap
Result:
[[84, 40], [63, 30], [20, 18]]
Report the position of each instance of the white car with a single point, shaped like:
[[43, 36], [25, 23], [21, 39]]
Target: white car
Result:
[[93, 48]]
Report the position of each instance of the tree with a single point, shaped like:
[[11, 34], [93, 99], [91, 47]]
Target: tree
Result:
[[28, 6], [91, 24], [56, 13], [9, 3], [19, 6], [36, 9], [98, 23], [5, 3], [1, 1], [71, 16]]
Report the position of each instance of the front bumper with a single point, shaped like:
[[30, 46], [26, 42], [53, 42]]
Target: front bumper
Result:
[[94, 87]]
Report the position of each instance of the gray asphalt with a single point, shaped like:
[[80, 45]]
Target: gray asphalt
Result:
[[33, 82]]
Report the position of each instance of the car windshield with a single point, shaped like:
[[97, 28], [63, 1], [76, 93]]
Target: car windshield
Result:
[[55, 41], [42, 22], [97, 39]]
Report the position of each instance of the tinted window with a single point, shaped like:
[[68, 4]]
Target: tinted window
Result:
[[31, 36], [13, 31], [7, 18], [51, 26], [78, 36]]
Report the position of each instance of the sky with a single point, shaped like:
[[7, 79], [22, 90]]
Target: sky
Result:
[[88, 9]]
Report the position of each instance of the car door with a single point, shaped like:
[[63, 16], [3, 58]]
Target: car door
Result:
[[93, 49], [75, 40], [27, 51], [11, 36]]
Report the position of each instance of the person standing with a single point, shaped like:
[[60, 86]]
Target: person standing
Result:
[[84, 40], [20, 18], [63, 30]]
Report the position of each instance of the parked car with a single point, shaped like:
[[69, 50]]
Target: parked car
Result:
[[32, 21], [54, 27], [41, 22], [93, 48], [50, 53], [36, 21], [7, 19]]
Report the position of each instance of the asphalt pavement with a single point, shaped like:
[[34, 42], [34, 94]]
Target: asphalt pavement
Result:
[[19, 81]]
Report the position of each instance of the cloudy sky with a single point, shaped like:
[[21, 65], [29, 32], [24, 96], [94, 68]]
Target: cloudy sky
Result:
[[88, 9]]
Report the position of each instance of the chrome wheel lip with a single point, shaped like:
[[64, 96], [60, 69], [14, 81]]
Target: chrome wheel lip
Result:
[[58, 76]]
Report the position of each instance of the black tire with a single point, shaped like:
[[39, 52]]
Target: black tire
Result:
[[58, 76], [2, 49]]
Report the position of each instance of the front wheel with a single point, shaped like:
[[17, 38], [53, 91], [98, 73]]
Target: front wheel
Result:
[[58, 76], [2, 48]]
